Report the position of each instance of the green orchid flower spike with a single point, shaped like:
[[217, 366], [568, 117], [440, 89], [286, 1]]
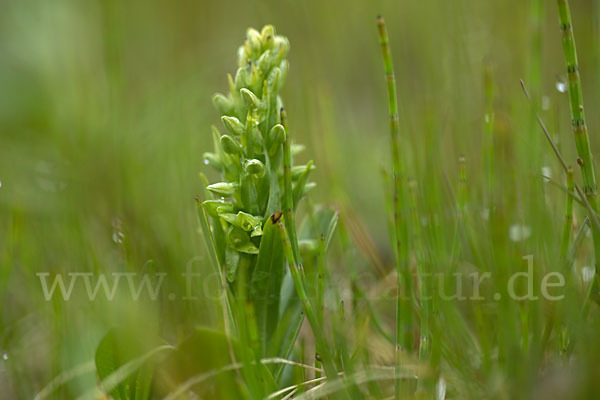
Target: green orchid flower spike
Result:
[[256, 196]]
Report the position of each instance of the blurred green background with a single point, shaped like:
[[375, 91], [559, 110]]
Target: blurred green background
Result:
[[105, 111]]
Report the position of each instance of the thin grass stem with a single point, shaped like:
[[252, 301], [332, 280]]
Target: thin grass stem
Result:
[[568, 223], [404, 312], [297, 276]]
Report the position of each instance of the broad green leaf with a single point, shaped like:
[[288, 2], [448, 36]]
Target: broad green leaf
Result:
[[108, 361], [117, 348], [203, 351], [284, 337], [266, 281]]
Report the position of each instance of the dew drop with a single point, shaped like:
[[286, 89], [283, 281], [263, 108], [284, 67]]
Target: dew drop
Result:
[[440, 389], [546, 173], [5, 356], [561, 86], [118, 237], [587, 273], [206, 161], [518, 233]]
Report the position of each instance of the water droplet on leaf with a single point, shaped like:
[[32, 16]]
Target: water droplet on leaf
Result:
[[546, 173], [561, 86], [118, 237], [587, 273], [518, 232]]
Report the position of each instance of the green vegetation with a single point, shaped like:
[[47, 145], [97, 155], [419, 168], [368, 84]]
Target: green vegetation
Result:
[[428, 240]]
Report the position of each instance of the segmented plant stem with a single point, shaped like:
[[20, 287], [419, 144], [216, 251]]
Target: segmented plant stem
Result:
[[576, 101], [568, 223], [578, 118], [288, 200], [403, 307]]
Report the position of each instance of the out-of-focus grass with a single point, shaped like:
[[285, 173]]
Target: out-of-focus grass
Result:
[[105, 113]]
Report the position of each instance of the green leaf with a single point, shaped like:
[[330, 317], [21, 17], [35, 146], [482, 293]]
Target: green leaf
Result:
[[107, 362], [118, 347], [203, 351], [290, 321], [266, 281]]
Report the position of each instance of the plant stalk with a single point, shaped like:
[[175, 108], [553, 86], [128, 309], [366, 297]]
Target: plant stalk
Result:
[[404, 317], [568, 223], [297, 276], [578, 120]]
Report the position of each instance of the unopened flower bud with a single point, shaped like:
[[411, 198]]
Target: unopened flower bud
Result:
[[267, 34], [254, 40], [213, 160], [230, 145], [249, 98], [223, 189], [222, 104], [233, 125], [276, 138], [254, 167]]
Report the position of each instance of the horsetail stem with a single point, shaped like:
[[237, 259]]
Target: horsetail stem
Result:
[[576, 102], [582, 141], [568, 223], [288, 201], [404, 317]]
